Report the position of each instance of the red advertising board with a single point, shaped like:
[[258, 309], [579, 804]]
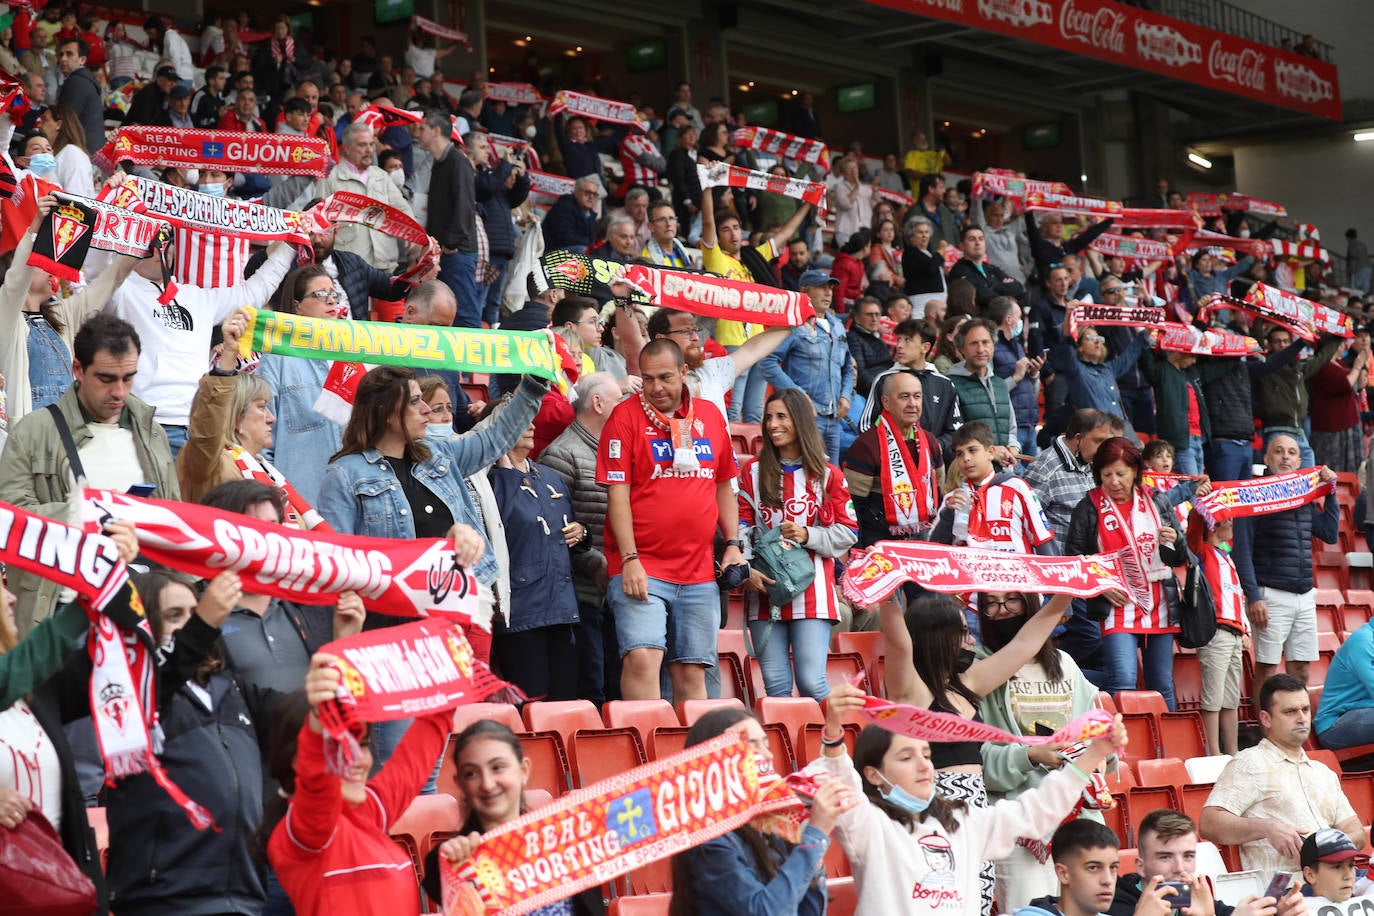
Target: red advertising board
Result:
[[1132, 37]]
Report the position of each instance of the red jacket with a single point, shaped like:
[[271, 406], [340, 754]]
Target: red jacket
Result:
[[337, 860], [852, 277], [230, 121]]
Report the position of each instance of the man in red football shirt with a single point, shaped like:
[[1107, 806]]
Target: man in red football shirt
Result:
[[667, 462]]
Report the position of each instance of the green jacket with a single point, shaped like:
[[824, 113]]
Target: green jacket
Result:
[[41, 653], [986, 400], [1281, 397], [35, 475], [1171, 394], [1007, 770]]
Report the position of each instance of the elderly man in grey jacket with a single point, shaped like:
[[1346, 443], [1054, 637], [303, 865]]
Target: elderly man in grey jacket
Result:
[[573, 455]]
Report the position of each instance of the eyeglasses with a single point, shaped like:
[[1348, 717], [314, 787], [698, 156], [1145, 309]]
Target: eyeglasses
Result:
[[324, 295], [592, 320], [1114, 291], [1010, 607], [664, 219], [685, 332]]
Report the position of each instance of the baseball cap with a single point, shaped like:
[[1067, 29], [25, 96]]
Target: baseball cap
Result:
[[1327, 845], [179, 92], [169, 72], [816, 278]]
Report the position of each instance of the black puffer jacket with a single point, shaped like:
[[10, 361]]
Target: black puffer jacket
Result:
[[495, 201], [1275, 550], [1230, 398]]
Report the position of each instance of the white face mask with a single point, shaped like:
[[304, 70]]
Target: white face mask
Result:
[[531, 132], [398, 177], [439, 431]]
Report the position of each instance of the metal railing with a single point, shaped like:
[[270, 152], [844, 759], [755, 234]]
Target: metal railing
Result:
[[1223, 17]]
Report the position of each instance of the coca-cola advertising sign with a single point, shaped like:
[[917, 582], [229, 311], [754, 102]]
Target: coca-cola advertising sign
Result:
[[1132, 37]]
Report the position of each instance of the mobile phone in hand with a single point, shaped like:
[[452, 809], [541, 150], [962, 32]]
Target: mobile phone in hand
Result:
[[1279, 884], [1183, 897]]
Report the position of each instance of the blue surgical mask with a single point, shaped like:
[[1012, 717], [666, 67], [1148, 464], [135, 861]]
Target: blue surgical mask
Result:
[[439, 431], [895, 795], [214, 190], [42, 164], [1016, 331]]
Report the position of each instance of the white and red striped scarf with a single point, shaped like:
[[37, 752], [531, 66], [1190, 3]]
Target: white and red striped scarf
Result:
[[1126, 246], [910, 490], [788, 146], [1068, 203], [1138, 530], [590, 106], [512, 93], [548, 185], [894, 197], [1006, 184], [725, 175], [430, 27], [283, 50], [1299, 250], [299, 512], [212, 260], [632, 147]]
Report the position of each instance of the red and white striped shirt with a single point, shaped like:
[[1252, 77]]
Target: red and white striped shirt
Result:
[[1007, 516], [632, 147], [1224, 582], [803, 503], [211, 259]]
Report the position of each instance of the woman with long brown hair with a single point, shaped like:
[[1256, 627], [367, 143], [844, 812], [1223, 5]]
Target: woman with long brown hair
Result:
[[74, 172], [792, 486], [747, 872]]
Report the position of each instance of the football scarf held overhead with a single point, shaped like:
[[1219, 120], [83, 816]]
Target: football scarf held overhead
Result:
[[716, 297], [1068, 203], [1305, 318], [725, 175], [590, 106], [590, 836], [781, 144], [1155, 218], [942, 727], [1126, 316], [894, 197], [430, 27], [1005, 185], [299, 512], [1213, 204], [381, 343], [349, 207], [398, 673], [1125, 246], [78, 224], [226, 150], [887, 565], [190, 209], [550, 185], [512, 93], [385, 117], [910, 497], [1263, 495], [1183, 338], [414, 578]]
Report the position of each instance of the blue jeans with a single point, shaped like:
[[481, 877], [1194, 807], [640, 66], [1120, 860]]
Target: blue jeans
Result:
[[831, 430], [1157, 657], [1189, 460], [1360, 280], [809, 641], [1230, 459], [1026, 436], [176, 438], [746, 404], [1307, 457], [491, 311], [1353, 728], [458, 270]]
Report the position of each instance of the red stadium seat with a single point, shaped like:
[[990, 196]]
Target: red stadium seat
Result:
[[868, 644], [731, 639], [1167, 772], [641, 715], [691, 710], [667, 741], [1143, 732], [1359, 789], [646, 905], [1115, 817], [843, 667], [843, 896], [1128, 861], [1141, 801], [428, 819], [747, 437], [1329, 619], [877, 677], [732, 684], [1181, 735], [603, 754], [549, 768], [566, 717], [1105, 701], [1187, 682], [1138, 701], [1354, 615], [505, 713], [792, 713]]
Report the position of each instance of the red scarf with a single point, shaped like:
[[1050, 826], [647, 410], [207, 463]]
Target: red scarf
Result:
[[298, 511], [1140, 532], [910, 492], [283, 50]]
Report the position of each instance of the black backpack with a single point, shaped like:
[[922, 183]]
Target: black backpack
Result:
[[1194, 610]]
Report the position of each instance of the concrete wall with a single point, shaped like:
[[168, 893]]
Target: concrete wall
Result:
[[1328, 183]]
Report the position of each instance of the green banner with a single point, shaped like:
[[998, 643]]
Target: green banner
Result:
[[418, 347]]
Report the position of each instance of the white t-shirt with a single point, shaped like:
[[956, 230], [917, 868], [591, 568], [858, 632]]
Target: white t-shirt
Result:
[[422, 59], [111, 459], [1355, 906], [28, 763]]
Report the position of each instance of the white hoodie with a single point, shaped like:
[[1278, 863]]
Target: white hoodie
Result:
[[930, 870], [176, 336]]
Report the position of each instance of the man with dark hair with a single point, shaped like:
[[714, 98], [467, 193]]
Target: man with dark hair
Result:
[[1167, 847], [940, 408], [1085, 855], [149, 104], [80, 92], [1271, 795], [989, 281], [657, 453], [983, 396], [871, 354], [118, 442], [209, 102], [452, 216], [469, 111]]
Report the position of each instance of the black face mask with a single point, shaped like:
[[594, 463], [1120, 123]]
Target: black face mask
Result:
[[1004, 629], [965, 661]]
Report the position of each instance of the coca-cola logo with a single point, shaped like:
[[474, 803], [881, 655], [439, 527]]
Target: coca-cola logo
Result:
[[1104, 28], [1244, 68]]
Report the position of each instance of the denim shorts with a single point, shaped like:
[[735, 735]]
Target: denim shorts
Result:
[[681, 620]]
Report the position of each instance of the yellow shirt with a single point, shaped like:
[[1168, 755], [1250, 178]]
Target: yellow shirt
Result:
[[733, 333], [925, 161]]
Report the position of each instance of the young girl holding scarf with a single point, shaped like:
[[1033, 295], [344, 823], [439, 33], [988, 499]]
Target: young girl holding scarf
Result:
[[492, 774], [915, 850], [1223, 657], [747, 872], [1048, 691], [1119, 513], [791, 486]]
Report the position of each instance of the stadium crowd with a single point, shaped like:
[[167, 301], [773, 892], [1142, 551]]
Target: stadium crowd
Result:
[[671, 520]]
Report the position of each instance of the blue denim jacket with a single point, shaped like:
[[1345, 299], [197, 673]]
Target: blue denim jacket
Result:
[[726, 880], [816, 359], [50, 365], [361, 495], [303, 440]]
